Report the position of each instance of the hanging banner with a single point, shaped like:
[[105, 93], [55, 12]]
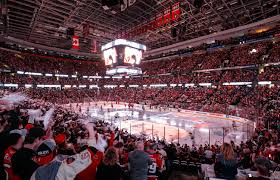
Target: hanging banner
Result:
[[75, 42], [169, 15], [176, 12]]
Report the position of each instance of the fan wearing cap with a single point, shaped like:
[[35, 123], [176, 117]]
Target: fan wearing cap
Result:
[[23, 161], [46, 152], [16, 139], [62, 166]]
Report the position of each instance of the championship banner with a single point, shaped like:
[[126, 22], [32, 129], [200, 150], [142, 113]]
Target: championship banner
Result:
[[169, 15], [75, 42], [176, 12], [159, 21]]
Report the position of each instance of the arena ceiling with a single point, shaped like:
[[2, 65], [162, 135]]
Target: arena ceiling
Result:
[[45, 21]]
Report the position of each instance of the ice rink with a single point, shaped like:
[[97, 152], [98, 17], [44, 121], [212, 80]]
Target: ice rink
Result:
[[191, 127]]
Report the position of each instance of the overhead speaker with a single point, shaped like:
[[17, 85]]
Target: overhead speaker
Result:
[[184, 29], [173, 32], [70, 32], [110, 3], [198, 4]]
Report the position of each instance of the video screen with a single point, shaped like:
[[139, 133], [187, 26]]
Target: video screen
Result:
[[132, 55], [110, 56]]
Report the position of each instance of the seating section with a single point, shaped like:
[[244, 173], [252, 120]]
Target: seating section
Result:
[[183, 78]]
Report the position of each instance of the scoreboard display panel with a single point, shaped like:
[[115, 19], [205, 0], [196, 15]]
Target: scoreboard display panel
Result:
[[110, 56], [132, 55], [122, 52]]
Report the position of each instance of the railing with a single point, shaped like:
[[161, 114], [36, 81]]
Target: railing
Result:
[[136, 121]]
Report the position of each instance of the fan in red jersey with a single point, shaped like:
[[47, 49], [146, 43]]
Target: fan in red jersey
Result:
[[156, 168], [16, 138]]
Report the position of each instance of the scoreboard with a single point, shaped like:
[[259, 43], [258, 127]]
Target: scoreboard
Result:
[[122, 53]]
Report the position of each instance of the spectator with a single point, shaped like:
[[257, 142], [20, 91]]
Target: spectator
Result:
[[64, 166], [138, 163], [109, 164], [23, 163], [46, 152], [16, 141], [208, 156], [225, 165], [263, 165], [157, 167]]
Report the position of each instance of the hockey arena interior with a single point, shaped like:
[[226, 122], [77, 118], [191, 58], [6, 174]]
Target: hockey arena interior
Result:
[[139, 89]]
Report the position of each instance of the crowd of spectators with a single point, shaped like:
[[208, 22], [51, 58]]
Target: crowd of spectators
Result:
[[66, 146]]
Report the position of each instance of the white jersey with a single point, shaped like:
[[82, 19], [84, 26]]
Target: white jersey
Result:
[[63, 167]]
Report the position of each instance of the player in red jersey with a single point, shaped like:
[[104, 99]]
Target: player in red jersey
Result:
[[158, 163]]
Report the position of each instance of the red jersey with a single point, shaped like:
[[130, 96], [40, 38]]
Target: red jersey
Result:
[[90, 172], [9, 152], [155, 167], [112, 138]]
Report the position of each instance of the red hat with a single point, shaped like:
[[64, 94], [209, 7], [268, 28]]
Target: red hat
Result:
[[45, 152], [60, 138], [28, 126]]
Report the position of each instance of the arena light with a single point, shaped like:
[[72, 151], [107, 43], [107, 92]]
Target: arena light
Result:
[[205, 84], [133, 86], [158, 85], [145, 85], [28, 85], [95, 77], [74, 76], [189, 85], [33, 73], [237, 83], [11, 85], [110, 86], [124, 70], [264, 83], [20, 72], [121, 85], [48, 86], [173, 85], [48, 75], [67, 86], [61, 75], [82, 86], [106, 77], [253, 51], [93, 86], [85, 77], [116, 77]]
